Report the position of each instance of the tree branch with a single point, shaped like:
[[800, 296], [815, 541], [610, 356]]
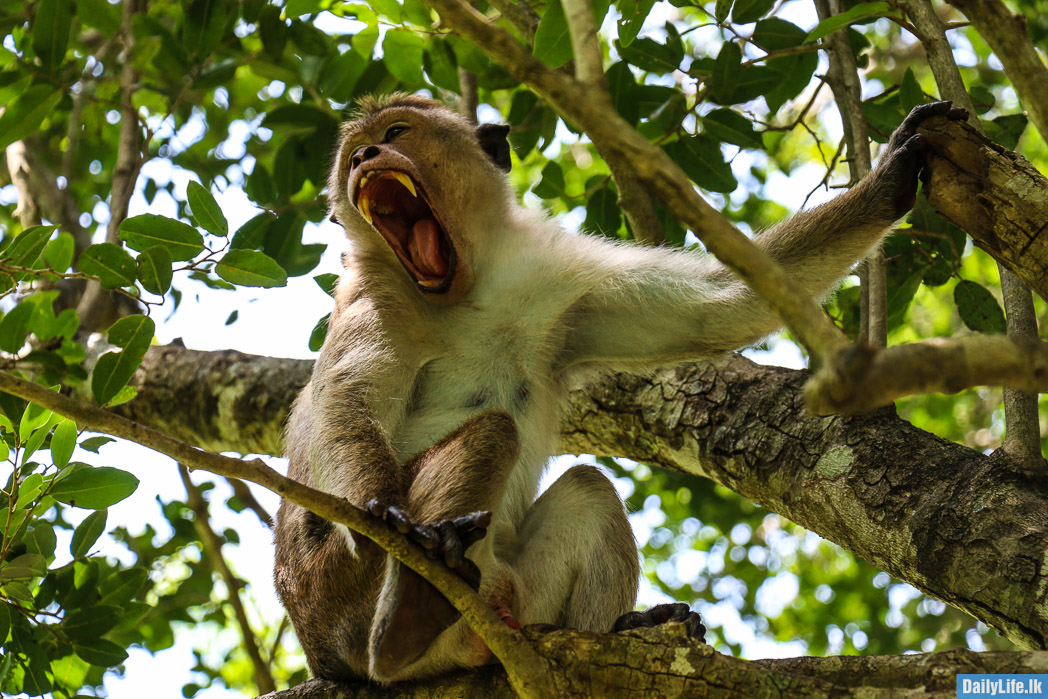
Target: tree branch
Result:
[[867, 378], [903, 499], [662, 662], [527, 671], [27, 210], [128, 163], [213, 545], [1020, 409]]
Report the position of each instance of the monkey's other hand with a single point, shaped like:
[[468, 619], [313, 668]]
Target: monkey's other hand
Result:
[[446, 540], [895, 177], [660, 614]]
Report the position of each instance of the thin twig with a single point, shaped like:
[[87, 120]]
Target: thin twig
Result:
[[213, 545]]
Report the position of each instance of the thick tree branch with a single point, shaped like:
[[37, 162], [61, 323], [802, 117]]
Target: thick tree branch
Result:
[[213, 545], [662, 662], [844, 81], [616, 138], [528, 671], [901, 498], [994, 195], [27, 210], [1020, 409]]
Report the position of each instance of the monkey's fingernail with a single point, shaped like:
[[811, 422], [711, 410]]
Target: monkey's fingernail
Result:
[[406, 181]]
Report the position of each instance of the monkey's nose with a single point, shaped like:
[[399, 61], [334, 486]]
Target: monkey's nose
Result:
[[364, 153]]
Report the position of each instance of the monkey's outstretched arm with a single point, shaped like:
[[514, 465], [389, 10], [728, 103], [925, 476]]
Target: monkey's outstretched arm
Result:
[[656, 305]]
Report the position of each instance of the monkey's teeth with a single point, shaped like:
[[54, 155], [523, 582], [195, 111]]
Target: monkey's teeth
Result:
[[406, 181], [430, 282], [365, 209]]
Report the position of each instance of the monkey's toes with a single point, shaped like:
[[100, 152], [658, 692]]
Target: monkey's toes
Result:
[[660, 614]]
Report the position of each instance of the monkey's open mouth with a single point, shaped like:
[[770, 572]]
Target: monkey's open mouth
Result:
[[392, 202]]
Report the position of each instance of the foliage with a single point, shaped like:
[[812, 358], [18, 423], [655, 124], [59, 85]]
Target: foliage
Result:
[[248, 96]]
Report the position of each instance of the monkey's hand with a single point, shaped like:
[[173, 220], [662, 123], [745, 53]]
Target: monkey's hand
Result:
[[895, 178], [446, 540], [660, 614]]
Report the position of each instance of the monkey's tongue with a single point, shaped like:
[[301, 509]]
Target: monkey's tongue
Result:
[[424, 248]]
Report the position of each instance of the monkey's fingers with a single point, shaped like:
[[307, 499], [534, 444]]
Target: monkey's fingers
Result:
[[425, 536], [451, 545], [469, 572], [660, 614], [396, 517], [376, 507]]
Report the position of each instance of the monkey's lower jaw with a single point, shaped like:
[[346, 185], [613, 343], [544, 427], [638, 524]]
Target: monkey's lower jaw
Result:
[[390, 201]]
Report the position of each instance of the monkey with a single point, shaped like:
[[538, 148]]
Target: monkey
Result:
[[460, 321]]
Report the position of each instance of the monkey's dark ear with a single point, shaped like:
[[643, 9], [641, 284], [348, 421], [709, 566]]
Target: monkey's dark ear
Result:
[[492, 139]]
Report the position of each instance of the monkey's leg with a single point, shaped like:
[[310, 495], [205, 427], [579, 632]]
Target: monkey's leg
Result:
[[452, 483], [577, 565]]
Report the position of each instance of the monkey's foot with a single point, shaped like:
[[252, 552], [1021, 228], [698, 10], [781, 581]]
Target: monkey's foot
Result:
[[446, 540], [660, 614]]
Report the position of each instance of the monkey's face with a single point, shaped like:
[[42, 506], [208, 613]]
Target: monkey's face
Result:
[[412, 175]]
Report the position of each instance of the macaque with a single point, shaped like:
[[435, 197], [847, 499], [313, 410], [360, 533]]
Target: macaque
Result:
[[436, 400]]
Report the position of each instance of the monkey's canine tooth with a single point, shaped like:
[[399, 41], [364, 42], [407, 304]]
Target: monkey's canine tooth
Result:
[[365, 209], [429, 282], [406, 181]]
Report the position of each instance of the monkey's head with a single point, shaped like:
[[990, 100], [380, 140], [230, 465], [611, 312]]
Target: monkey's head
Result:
[[415, 186]]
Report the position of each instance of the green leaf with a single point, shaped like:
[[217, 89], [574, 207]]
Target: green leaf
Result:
[[603, 214], [29, 490], [648, 54], [181, 240], [746, 11], [722, 9], [40, 538], [113, 266], [552, 183], [402, 53], [26, 248], [36, 439], [978, 308], [93, 444], [34, 417], [858, 13], [122, 396], [910, 92], [24, 116], [731, 127], [5, 622], [773, 33], [58, 254], [63, 441], [88, 624], [87, 533], [202, 29], [795, 72], [250, 268], [35, 682], [726, 72], [15, 326], [122, 586], [327, 283], [115, 369], [232, 318], [28, 565], [701, 159], [94, 488], [552, 43], [1006, 130], [634, 13], [51, 31], [153, 268], [70, 671], [100, 652], [205, 210], [319, 334], [982, 99]]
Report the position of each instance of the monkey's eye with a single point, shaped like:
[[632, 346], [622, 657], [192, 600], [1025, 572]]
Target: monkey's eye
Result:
[[394, 131]]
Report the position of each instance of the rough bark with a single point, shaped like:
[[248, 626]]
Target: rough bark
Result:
[[969, 529], [663, 662], [994, 195]]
